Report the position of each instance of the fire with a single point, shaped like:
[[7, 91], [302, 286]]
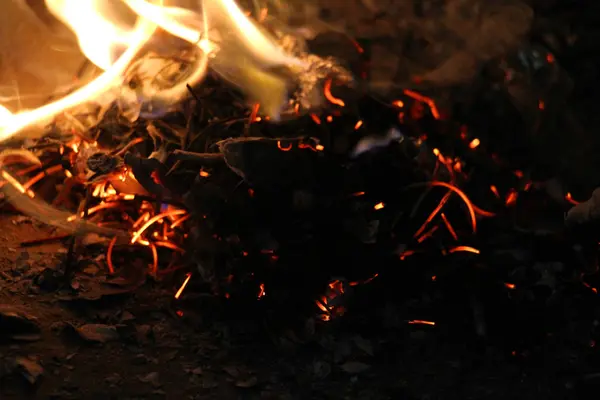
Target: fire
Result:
[[183, 285], [220, 31], [113, 75]]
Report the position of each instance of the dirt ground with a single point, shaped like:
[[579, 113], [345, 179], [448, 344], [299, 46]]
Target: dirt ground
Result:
[[141, 345]]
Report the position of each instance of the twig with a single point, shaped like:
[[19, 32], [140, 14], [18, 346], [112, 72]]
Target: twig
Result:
[[182, 155], [50, 239]]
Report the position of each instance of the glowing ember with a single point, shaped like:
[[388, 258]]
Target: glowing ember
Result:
[[330, 97], [467, 249], [474, 143], [421, 322], [183, 285]]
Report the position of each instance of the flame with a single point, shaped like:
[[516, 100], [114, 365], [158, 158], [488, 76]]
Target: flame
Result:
[[99, 37], [88, 11], [240, 52]]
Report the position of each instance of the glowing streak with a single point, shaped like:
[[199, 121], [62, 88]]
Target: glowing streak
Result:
[[474, 143], [433, 214], [254, 112], [145, 217], [511, 198], [41, 175], [169, 245], [330, 97], [464, 198], [449, 226], [430, 103], [13, 123], [570, 199], [406, 253], [428, 234], [13, 181], [379, 206], [179, 221], [495, 191], [467, 249], [154, 267], [183, 285], [358, 125], [281, 147], [421, 322], [154, 219], [109, 251]]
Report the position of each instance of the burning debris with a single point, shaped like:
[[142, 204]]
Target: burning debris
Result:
[[224, 158]]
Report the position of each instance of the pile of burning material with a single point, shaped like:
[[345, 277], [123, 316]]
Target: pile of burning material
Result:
[[314, 197]]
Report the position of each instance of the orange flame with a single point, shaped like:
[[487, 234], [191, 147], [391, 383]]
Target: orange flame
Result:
[[113, 46]]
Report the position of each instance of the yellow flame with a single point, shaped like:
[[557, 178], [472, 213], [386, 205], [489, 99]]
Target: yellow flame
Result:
[[241, 52], [88, 10], [99, 36]]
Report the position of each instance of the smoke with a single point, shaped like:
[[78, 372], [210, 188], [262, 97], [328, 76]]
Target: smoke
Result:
[[439, 42]]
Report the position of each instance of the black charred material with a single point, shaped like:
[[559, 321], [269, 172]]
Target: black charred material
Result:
[[148, 172], [585, 217]]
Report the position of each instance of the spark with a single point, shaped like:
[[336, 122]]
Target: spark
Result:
[[281, 147], [433, 214], [467, 249], [511, 198], [359, 123], [428, 234], [465, 199], [379, 206], [421, 322], [154, 267], [430, 103], [494, 190], [254, 112], [136, 235], [109, 251], [41, 175], [169, 245], [17, 185], [183, 285], [179, 221], [569, 198], [474, 143], [329, 96], [449, 226]]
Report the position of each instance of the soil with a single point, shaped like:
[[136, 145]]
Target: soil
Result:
[[153, 349]]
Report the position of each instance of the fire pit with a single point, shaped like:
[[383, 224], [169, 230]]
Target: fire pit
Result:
[[291, 172]]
